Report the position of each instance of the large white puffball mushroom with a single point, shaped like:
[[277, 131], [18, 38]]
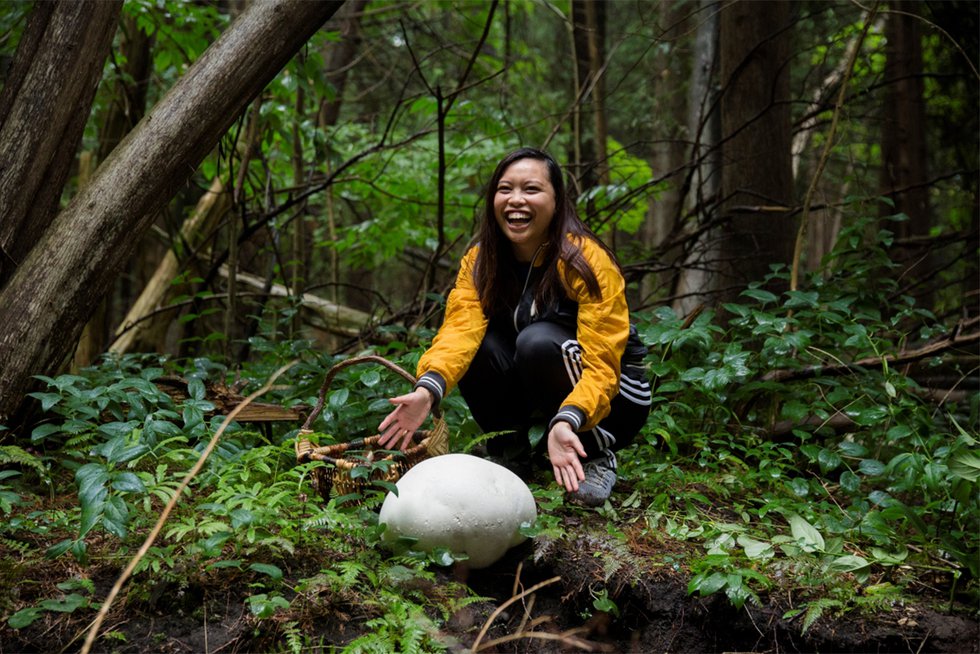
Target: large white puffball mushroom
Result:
[[460, 502]]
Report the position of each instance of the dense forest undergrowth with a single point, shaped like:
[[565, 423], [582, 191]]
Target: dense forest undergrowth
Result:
[[796, 489], [244, 194]]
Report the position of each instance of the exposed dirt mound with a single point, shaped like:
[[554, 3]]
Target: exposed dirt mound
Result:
[[544, 597]]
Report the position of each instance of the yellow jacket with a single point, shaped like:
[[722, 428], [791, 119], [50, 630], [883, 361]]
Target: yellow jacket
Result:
[[602, 329]]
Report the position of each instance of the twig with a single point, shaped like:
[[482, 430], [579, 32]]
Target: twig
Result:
[[825, 155], [94, 629], [906, 356], [500, 609], [568, 637]]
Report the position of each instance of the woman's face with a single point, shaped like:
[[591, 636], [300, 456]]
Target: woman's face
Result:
[[524, 205]]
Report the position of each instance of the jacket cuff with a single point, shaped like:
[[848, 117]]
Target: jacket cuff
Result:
[[435, 384], [570, 414]]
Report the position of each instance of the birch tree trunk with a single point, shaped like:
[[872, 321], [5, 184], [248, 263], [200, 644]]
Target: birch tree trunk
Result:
[[54, 291]]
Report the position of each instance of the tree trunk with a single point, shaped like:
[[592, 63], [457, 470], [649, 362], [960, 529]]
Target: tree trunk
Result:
[[904, 171], [669, 147], [704, 131], [589, 46], [45, 304], [757, 175], [43, 109], [122, 114]]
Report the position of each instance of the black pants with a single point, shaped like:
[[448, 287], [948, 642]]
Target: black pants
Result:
[[516, 381]]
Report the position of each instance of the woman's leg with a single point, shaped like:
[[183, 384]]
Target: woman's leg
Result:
[[492, 390], [550, 362]]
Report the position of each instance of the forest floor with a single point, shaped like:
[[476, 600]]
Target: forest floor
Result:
[[642, 574]]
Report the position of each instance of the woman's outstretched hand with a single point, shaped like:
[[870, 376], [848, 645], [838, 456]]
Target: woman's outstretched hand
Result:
[[565, 451], [410, 412]]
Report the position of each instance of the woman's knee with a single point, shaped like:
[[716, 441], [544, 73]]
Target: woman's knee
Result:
[[542, 344]]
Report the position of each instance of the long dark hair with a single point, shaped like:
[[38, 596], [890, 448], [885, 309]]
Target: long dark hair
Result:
[[493, 276]]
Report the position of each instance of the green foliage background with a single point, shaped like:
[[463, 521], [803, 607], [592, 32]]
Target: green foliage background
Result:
[[881, 510]]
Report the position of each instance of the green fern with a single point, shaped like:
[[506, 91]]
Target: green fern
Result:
[[815, 610], [11, 454]]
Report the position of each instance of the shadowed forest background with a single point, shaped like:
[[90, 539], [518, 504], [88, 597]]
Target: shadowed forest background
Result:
[[195, 194]]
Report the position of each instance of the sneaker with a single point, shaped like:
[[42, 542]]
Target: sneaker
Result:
[[595, 489]]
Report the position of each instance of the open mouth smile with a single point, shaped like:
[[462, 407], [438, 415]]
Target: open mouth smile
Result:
[[518, 218]]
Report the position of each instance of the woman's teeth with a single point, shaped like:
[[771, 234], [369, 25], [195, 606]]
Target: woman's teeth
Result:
[[518, 218]]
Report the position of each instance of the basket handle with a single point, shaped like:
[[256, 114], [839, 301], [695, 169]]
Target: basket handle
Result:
[[346, 363]]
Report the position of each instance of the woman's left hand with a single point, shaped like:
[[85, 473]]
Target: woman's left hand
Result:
[[565, 451]]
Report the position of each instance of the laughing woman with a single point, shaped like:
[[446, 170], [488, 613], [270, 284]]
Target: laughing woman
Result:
[[537, 329]]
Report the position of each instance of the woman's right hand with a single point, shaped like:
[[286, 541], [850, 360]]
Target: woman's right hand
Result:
[[400, 425]]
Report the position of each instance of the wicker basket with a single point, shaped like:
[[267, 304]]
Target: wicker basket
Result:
[[344, 458]]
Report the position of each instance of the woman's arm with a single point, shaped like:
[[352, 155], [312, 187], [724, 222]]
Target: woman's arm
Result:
[[602, 331]]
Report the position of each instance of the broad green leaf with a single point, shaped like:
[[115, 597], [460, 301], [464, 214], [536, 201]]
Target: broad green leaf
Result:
[[847, 563], [195, 389], [115, 515], [66, 605], [24, 617], [828, 460], [760, 295], [706, 585], [48, 400], [267, 569], [850, 448], [756, 549], [338, 398], [805, 534], [43, 431], [966, 465], [127, 482], [850, 481]]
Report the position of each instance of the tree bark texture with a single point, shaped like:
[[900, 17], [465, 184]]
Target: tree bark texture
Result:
[[587, 38], [904, 175], [904, 155], [756, 138], [121, 115], [43, 109], [45, 304], [704, 132]]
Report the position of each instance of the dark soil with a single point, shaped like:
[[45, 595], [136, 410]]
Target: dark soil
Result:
[[198, 611]]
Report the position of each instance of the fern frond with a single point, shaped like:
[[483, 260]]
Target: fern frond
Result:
[[815, 610], [21, 457]]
